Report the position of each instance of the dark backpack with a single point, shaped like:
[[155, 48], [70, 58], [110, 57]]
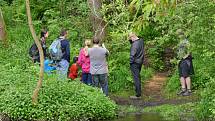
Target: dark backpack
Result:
[[33, 51]]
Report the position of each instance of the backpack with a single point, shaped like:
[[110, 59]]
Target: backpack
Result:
[[55, 50], [33, 51]]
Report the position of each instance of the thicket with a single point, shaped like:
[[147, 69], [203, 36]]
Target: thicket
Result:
[[58, 99], [196, 18], [157, 24]]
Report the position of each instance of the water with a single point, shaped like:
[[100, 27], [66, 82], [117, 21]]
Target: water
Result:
[[141, 117]]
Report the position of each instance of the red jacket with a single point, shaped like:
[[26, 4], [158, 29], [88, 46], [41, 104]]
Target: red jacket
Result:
[[73, 71]]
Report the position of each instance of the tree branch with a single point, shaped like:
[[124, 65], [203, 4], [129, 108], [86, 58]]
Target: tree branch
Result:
[[39, 83]]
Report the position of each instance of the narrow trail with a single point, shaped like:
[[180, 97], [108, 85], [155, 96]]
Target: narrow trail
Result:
[[153, 94], [153, 88]]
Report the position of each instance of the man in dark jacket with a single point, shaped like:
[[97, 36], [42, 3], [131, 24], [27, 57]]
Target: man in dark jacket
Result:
[[136, 61], [65, 46], [63, 65]]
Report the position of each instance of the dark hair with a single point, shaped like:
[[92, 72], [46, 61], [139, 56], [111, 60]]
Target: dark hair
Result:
[[63, 32], [96, 40], [75, 59], [43, 32]]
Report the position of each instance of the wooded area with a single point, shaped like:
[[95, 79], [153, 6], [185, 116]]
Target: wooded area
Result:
[[29, 93]]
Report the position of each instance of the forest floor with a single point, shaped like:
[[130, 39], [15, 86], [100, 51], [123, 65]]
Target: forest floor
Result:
[[153, 94]]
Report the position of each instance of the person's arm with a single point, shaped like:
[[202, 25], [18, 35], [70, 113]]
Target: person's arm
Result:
[[80, 58], [68, 51], [133, 53], [85, 50], [88, 52], [107, 51]]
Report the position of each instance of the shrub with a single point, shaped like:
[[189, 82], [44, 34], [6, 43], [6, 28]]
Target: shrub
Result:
[[58, 100]]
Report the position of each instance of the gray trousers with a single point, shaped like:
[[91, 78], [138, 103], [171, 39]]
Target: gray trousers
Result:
[[135, 70]]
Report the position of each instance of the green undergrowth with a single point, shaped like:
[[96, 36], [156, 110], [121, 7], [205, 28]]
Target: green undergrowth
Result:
[[58, 99], [197, 19]]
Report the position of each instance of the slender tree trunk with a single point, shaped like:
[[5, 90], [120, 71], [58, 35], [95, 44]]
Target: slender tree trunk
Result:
[[39, 83], [99, 25], [3, 33]]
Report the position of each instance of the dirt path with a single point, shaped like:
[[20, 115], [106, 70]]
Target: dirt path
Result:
[[153, 94], [152, 89]]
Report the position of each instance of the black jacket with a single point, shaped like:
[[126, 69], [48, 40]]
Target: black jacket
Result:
[[65, 46], [137, 52]]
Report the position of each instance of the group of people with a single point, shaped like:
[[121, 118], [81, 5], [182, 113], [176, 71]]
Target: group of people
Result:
[[92, 60]]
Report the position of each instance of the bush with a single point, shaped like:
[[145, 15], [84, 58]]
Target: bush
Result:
[[58, 100]]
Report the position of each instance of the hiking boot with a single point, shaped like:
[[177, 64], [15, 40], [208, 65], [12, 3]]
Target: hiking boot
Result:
[[135, 97], [181, 92], [187, 93]]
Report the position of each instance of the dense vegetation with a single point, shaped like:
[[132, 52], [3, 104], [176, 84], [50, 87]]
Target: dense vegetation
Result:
[[155, 22], [58, 99]]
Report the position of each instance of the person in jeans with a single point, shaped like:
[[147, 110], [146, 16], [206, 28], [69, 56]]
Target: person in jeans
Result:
[[84, 62], [98, 65], [136, 62], [185, 65], [63, 64], [65, 46]]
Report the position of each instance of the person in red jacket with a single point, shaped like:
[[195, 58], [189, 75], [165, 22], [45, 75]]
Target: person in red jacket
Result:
[[73, 70]]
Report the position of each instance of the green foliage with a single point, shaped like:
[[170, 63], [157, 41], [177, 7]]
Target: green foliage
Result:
[[58, 99], [173, 83], [157, 24], [197, 21]]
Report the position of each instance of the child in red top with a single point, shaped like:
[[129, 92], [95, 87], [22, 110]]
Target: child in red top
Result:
[[73, 70]]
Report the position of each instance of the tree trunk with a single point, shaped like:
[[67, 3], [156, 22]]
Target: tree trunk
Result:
[[39, 83], [99, 25], [3, 33]]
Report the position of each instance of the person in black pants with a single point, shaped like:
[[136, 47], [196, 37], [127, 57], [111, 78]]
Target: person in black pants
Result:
[[136, 62]]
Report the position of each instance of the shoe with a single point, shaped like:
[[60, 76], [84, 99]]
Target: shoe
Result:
[[187, 93], [135, 97], [181, 92]]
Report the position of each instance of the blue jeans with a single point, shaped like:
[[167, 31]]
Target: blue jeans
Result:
[[87, 78], [101, 80], [62, 69]]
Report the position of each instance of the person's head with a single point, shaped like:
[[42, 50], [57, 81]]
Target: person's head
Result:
[[87, 43], [96, 41], [75, 59], [132, 36], [63, 32], [44, 33]]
